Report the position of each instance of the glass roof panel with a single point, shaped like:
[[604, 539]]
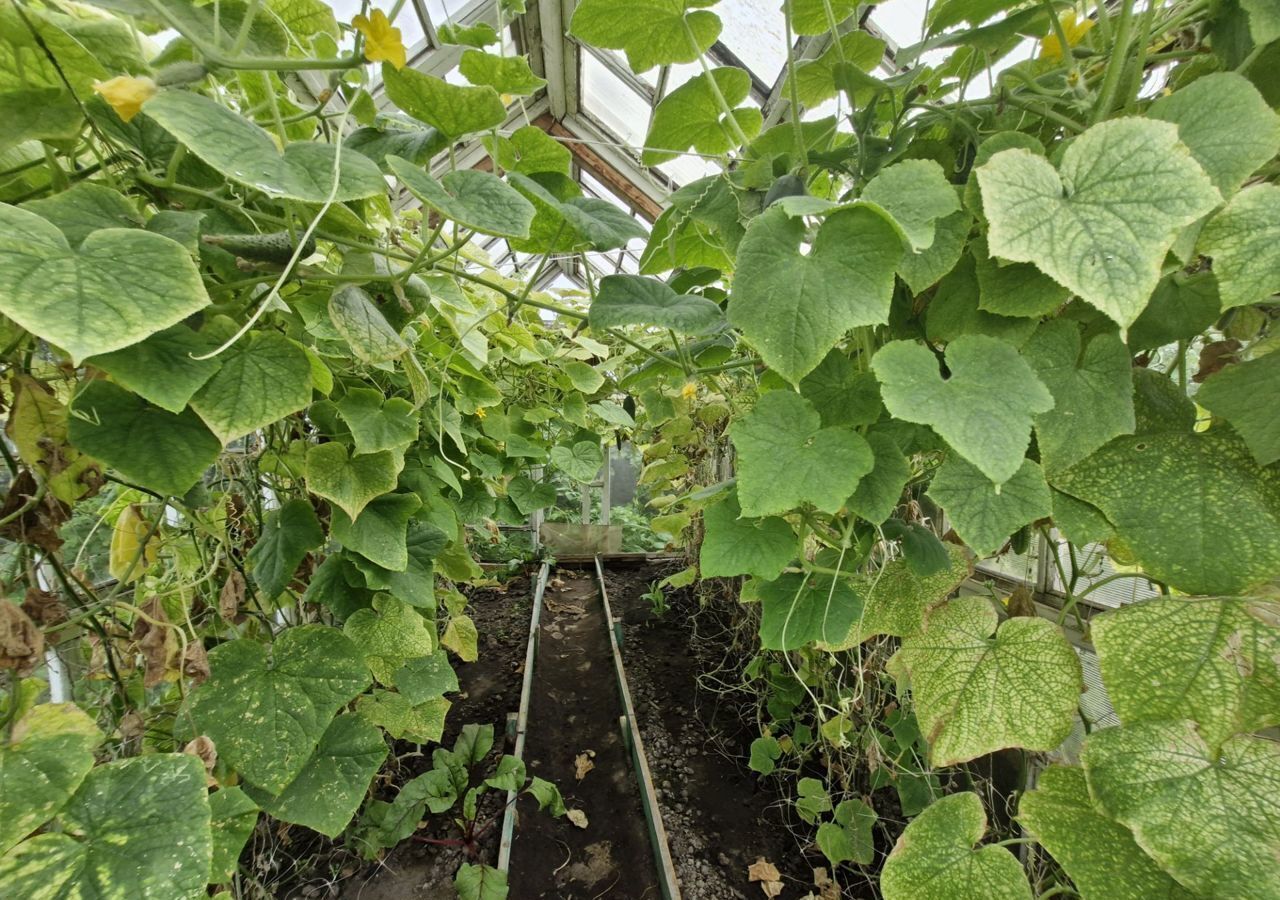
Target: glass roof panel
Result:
[[901, 20], [616, 106], [755, 31]]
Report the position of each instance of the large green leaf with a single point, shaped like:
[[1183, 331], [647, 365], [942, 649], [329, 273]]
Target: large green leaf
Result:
[[476, 200], [1099, 854], [529, 149], [351, 482], [1207, 818], [414, 585], [1226, 124], [733, 545], [1101, 223], [982, 516], [266, 706], [246, 154], [85, 208], [1092, 388], [978, 688], [935, 858], [1014, 289], [880, 490], [1196, 510], [1244, 242], [984, 409], [786, 457], [378, 422], [691, 116], [331, 785], [454, 110], [365, 329], [158, 449], [288, 535], [917, 194], [896, 599], [530, 496], [264, 377], [1245, 396], [398, 716], [815, 79], [922, 269], [581, 462], [794, 307], [1182, 307], [802, 609], [842, 394], [651, 32], [163, 368], [136, 828], [636, 300], [380, 532], [389, 635], [119, 286], [809, 17], [234, 816], [1215, 662], [47, 755], [505, 74], [480, 882]]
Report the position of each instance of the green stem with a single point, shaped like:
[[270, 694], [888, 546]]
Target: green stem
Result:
[[1115, 64]]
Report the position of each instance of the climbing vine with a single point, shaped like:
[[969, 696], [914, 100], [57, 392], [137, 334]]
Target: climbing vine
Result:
[[259, 408]]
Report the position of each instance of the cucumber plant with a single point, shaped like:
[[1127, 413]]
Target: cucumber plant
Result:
[[1027, 299]]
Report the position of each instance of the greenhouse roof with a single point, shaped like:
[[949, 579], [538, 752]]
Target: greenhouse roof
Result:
[[598, 107]]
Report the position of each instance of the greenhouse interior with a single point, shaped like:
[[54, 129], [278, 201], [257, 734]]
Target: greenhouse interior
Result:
[[640, 449]]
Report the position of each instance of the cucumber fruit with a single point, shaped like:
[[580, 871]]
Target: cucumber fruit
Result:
[[276, 247]]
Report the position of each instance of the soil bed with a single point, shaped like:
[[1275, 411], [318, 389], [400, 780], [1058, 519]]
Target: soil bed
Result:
[[574, 731], [719, 819]]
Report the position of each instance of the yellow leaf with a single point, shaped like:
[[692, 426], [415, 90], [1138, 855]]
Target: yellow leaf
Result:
[[382, 43], [126, 545], [1073, 30], [126, 94]]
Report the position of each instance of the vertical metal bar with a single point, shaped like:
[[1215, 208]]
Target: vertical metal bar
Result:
[[606, 485], [522, 718]]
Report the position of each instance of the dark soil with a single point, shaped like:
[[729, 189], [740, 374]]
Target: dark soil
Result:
[[490, 691], [574, 715], [718, 816]]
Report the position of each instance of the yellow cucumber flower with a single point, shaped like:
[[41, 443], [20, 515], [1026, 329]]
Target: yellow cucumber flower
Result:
[[382, 43], [126, 94], [1073, 30], [689, 390]]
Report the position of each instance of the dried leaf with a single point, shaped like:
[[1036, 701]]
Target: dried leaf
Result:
[[157, 643], [195, 662], [582, 764], [578, 817], [763, 870], [202, 748], [232, 597], [38, 525], [44, 607], [21, 642]]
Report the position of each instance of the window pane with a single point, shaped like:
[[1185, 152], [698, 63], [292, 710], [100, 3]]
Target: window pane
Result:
[[755, 31], [612, 103]]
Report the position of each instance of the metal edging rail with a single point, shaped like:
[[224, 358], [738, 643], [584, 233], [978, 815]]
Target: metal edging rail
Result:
[[522, 718], [668, 881]]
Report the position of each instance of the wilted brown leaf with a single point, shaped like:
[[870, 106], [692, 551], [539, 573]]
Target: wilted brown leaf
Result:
[[21, 642], [763, 870], [195, 662], [44, 607], [156, 642], [582, 764], [232, 597], [202, 748]]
